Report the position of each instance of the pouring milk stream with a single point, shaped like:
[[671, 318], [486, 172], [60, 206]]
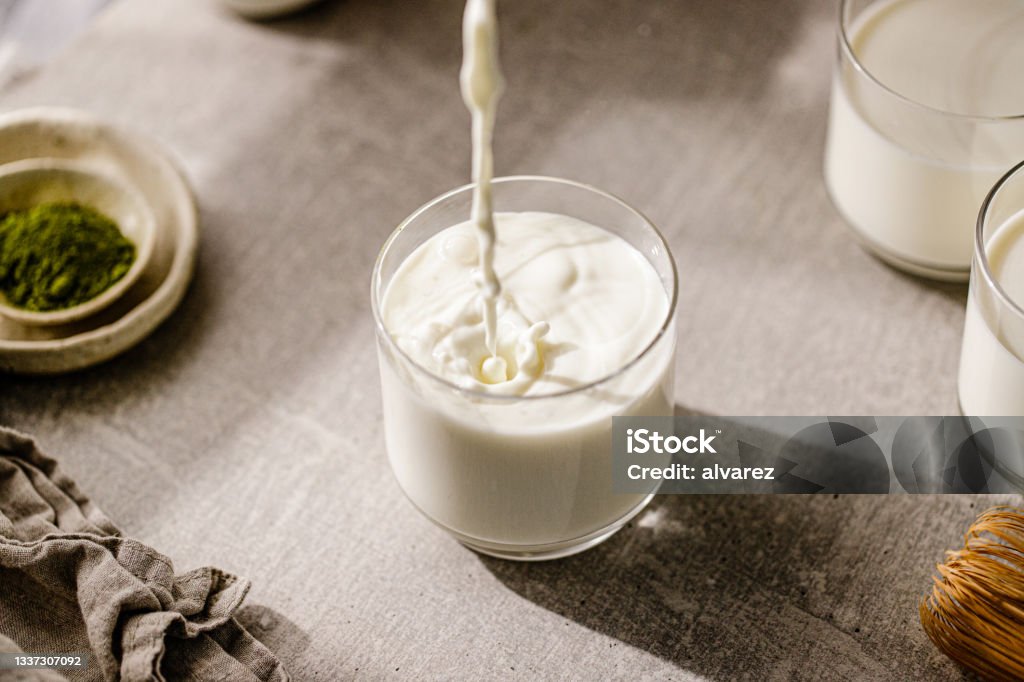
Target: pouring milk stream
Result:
[[482, 84]]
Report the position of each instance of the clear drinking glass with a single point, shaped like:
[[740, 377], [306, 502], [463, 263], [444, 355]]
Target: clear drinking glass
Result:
[[906, 177], [991, 381], [520, 477]]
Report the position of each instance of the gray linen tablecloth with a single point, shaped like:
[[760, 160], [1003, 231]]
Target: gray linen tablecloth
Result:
[[245, 433], [69, 583]]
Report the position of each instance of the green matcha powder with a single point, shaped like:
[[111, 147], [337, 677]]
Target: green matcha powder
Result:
[[58, 255]]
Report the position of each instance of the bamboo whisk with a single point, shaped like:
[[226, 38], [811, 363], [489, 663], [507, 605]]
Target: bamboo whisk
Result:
[[975, 613]]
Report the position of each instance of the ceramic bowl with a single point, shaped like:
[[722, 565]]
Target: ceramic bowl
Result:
[[28, 183]]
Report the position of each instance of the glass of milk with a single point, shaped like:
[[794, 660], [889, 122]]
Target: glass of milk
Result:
[[525, 477], [992, 357], [927, 112]]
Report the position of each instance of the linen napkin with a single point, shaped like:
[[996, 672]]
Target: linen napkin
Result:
[[71, 583]]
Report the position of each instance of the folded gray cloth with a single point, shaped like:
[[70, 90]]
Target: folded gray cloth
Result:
[[70, 583]]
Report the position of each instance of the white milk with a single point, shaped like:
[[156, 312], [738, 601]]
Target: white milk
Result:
[[909, 180], [578, 303], [991, 369]]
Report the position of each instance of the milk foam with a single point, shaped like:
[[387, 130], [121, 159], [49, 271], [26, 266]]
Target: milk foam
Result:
[[578, 303]]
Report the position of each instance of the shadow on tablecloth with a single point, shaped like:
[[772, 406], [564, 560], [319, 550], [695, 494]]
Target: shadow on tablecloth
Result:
[[761, 586]]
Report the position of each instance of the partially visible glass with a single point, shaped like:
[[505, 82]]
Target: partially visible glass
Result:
[[908, 178], [521, 477], [991, 381]]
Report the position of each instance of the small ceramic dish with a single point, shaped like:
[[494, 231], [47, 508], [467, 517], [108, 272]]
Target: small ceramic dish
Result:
[[152, 172], [32, 182]]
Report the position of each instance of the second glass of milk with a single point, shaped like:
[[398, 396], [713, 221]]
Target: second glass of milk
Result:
[[992, 357], [521, 476], [927, 112]]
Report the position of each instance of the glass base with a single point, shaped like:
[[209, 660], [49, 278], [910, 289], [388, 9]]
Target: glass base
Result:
[[557, 550], [932, 271], [953, 276]]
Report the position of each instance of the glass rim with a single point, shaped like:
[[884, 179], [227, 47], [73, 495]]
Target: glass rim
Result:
[[848, 51], [980, 252], [666, 326]]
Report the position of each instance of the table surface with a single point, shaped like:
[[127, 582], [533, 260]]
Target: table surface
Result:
[[246, 431]]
